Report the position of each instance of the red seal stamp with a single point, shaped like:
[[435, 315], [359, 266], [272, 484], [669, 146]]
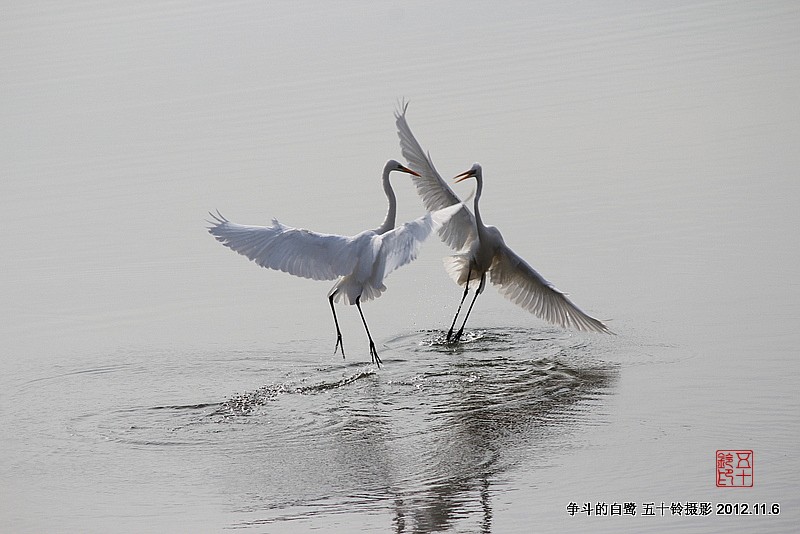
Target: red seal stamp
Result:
[[734, 468]]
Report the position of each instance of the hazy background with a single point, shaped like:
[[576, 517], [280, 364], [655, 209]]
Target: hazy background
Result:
[[642, 157]]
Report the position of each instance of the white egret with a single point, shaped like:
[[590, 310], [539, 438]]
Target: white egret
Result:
[[482, 248], [361, 262]]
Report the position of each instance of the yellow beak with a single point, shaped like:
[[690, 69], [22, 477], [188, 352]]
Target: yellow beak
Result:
[[464, 175], [409, 171]]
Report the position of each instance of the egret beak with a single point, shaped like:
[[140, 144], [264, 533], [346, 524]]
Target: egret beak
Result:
[[464, 175], [409, 171]]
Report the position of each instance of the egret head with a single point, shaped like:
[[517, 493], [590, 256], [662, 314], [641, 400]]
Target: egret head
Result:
[[474, 172], [393, 165]]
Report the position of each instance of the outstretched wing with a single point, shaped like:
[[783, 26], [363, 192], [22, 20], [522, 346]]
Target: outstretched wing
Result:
[[520, 283], [291, 250], [435, 193], [401, 245]]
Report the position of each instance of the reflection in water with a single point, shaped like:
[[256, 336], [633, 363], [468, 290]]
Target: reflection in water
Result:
[[664, 128], [436, 436], [428, 439], [494, 408]]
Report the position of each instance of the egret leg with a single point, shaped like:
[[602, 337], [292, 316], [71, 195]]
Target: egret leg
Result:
[[477, 292], [463, 297], [338, 332], [372, 352]]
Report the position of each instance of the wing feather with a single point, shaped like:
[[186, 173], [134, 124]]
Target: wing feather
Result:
[[521, 284], [401, 245], [292, 250], [460, 231]]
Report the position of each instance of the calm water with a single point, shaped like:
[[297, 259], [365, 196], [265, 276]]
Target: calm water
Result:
[[643, 158]]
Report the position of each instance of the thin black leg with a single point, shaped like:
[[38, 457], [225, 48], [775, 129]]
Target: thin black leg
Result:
[[477, 292], [338, 332], [463, 297], [372, 352]]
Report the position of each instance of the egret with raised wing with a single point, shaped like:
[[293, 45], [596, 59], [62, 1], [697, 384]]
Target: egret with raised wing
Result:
[[481, 249], [361, 262]]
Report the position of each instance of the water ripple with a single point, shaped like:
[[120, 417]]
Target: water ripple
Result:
[[427, 435]]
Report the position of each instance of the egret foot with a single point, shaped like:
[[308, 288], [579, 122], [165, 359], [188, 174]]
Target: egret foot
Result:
[[339, 344], [374, 354]]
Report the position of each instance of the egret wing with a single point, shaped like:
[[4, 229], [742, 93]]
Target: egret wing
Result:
[[401, 245], [460, 231], [292, 250], [520, 283]]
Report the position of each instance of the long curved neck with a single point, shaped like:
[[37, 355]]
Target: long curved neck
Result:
[[478, 191], [391, 215]]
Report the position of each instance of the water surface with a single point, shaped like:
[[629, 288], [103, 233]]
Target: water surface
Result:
[[643, 158]]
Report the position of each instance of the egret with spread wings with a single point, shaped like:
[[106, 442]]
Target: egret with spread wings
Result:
[[481, 249], [361, 262]]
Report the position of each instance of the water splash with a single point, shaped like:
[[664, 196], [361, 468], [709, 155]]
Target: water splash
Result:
[[245, 403]]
